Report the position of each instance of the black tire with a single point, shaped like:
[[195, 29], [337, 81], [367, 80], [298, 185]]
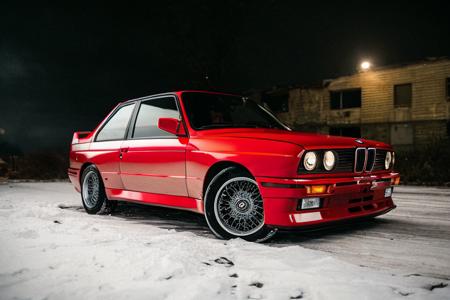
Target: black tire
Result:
[[218, 224], [95, 200]]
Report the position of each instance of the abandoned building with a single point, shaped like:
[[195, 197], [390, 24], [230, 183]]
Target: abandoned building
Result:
[[404, 105]]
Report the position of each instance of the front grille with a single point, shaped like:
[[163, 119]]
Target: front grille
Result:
[[345, 158], [371, 152], [360, 160], [379, 160]]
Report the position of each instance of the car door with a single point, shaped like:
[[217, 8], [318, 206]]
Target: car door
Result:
[[153, 160], [104, 151]]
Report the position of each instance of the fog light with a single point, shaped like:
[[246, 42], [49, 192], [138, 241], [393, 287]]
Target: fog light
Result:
[[309, 203], [316, 189], [388, 192]]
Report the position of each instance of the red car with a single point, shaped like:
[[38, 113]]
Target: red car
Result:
[[230, 159]]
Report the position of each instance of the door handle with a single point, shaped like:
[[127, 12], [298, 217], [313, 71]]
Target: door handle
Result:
[[122, 151]]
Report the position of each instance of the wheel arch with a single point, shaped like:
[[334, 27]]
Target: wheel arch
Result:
[[217, 168], [83, 167]]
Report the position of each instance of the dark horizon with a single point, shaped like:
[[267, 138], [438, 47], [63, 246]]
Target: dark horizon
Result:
[[63, 68]]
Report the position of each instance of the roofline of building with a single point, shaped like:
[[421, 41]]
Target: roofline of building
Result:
[[326, 82], [428, 60]]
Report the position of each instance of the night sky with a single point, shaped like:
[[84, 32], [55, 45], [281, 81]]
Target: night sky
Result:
[[63, 68]]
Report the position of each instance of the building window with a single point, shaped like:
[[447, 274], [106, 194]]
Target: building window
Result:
[[277, 102], [447, 85], [345, 99], [402, 95], [353, 131]]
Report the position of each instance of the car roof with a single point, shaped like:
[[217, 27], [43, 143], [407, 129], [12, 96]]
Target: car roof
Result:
[[179, 92]]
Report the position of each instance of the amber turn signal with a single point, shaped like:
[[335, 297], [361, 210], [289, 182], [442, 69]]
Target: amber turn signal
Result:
[[395, 181], [316, 189]]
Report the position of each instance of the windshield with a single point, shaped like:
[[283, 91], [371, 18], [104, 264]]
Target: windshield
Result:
[[207, 111]]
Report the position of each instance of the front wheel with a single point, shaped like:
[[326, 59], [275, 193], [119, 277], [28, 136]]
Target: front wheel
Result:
[[93, 193], [234, 207]]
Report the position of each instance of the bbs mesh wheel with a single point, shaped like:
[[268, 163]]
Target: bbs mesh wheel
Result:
[[234, 207], [93, 193]]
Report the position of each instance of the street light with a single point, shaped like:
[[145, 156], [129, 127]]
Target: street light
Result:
[[365, 65]]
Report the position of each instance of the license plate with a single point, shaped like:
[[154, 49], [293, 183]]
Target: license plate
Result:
[[388, 192]]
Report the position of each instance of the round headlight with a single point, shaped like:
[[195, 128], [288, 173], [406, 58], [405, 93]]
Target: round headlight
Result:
[[310, 161], [329, 160], [388, 160]]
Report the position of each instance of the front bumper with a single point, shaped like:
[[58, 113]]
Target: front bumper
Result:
[[344, 198]]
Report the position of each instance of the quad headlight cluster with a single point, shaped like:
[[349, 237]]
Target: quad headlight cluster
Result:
[[320, 160], [389, 160], [311, 160]]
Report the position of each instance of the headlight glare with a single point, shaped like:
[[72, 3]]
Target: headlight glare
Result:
[[329, 160], [388, 160], [310, 161]]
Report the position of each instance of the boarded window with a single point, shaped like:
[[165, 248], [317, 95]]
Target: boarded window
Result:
[[351, 131], [345, 99], [402, 95], [278, 102], [402, 134]]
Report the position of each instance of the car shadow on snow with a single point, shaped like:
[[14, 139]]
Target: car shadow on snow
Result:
[[162, 217], [186, 221]]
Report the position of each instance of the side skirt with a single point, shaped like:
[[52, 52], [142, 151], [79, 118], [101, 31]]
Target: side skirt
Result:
[[179, 202]]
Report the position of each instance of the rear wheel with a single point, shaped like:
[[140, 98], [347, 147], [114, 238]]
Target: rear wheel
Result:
[[93, 193], [234, 207]]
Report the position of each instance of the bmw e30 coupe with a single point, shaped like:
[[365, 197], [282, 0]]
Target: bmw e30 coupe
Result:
[[228, 158]]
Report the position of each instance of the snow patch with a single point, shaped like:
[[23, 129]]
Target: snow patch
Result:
[[51, 249]]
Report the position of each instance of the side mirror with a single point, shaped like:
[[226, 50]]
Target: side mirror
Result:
[[171, 125]]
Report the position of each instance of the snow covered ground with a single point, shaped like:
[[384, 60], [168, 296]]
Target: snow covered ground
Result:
[[51, 249]]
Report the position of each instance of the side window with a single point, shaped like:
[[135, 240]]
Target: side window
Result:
[[149, 112], [116, 126]]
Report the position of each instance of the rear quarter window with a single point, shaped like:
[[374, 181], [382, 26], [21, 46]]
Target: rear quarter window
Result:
[[116, 127]]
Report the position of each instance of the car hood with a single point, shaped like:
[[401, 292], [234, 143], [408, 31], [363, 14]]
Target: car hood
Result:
[[306, 140]]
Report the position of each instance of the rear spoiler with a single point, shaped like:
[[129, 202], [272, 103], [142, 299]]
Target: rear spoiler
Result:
[[81, 137]]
